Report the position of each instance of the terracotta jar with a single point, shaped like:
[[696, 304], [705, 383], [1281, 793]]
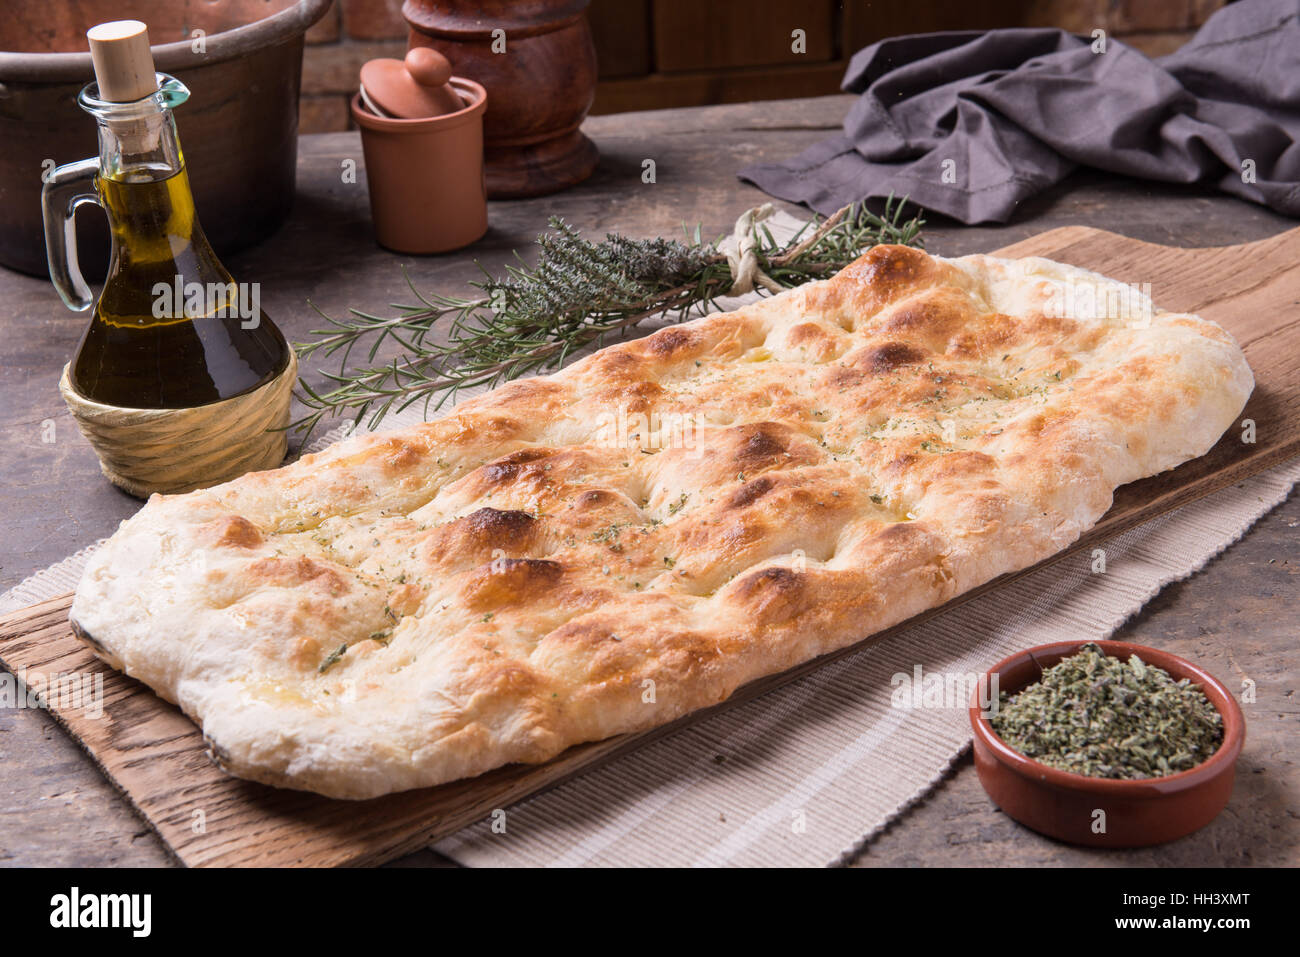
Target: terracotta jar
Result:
[[537, 62], [426, 175]]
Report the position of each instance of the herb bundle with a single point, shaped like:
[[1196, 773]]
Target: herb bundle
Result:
[[533, 317], [1100, 716]]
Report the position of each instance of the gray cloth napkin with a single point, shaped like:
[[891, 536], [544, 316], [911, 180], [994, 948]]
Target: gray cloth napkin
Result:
[[970, 124]]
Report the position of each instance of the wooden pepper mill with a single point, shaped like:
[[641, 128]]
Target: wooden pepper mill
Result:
[[536, 60]]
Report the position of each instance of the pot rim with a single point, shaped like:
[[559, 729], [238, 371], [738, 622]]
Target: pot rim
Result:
[[369, 121], [1221, 761], [171, 57]]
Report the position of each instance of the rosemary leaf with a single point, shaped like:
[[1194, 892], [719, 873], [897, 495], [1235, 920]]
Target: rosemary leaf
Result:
[[531, 318]]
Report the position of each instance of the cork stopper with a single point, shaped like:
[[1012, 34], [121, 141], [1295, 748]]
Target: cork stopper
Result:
[[123, 61]]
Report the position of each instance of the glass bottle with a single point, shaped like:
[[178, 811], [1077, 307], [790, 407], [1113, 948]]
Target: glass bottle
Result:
[[171, 329]]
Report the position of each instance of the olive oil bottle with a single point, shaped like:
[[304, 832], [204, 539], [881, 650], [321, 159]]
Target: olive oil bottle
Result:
[[171, 329]]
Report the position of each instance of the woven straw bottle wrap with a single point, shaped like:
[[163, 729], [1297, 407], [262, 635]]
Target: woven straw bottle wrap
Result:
[[143, 451]]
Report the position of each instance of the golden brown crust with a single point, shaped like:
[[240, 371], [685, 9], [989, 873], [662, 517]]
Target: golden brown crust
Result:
[[631, 539]]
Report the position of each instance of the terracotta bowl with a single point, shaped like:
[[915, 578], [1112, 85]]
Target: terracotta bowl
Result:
[[1137, 813]]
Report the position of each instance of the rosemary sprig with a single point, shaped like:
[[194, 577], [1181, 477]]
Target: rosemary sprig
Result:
[[533, 317]]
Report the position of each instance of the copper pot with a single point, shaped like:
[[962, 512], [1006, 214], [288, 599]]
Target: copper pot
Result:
[[239, 130]]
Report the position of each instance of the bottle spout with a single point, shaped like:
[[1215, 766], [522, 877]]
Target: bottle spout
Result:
[[128, 99]]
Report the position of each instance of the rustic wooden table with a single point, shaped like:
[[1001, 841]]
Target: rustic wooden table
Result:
[[1236, 616]]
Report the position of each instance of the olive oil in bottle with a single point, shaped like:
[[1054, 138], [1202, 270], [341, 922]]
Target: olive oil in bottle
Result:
[[172, 329]]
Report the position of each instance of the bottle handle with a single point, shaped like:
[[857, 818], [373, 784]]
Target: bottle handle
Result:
[[64, 191]]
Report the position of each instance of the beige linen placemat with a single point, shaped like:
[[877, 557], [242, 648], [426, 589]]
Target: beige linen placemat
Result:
[[809, 773]]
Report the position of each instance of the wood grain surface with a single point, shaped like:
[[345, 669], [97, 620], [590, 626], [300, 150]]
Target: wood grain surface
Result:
[[155, 756]]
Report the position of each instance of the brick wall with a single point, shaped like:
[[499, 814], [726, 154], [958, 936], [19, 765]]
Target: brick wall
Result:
[[354, 31]]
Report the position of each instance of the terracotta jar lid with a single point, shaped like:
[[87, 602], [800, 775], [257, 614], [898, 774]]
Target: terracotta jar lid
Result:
[[414, 88]]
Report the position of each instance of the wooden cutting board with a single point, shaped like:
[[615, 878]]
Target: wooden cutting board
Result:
[[156, 756]]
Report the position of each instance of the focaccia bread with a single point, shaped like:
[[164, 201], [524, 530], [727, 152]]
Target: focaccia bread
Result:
[[605, 549]]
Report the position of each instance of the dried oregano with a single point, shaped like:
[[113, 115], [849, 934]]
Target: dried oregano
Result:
[[1100, 716]]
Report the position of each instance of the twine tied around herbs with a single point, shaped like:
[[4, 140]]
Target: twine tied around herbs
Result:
[[739, 249], [143, 451]]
